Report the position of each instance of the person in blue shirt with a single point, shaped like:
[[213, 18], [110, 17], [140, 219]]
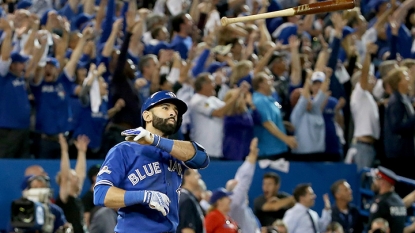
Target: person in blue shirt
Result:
[[142, 177], [271, 133], [15, 108], [182, 27], [94, 111]]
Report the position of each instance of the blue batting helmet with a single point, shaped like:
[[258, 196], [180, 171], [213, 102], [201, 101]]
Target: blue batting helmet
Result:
[[164, 97]]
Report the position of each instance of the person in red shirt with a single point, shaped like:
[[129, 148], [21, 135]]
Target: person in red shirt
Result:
[[217, 220]]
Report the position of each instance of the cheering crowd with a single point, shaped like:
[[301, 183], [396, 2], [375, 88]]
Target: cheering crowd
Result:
[[329, 87]]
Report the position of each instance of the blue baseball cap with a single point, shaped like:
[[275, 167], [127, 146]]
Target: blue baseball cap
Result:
[[25, 183], [375, 4], [17, 57], [24, 4], [160, 46], [219, 194], [82, 65], [53, 61], [347, 31], [214, 66], [82, 21]]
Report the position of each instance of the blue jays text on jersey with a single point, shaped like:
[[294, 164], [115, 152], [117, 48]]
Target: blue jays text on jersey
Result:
[[131, 166]]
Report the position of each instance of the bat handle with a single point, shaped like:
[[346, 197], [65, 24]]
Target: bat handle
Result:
[[224, 21]]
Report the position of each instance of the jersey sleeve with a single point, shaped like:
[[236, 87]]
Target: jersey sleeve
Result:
[[113, 170]]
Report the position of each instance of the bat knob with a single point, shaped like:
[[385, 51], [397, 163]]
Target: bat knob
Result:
[[224, 21]]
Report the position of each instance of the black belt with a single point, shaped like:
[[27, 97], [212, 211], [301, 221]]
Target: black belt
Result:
[[366, 143]]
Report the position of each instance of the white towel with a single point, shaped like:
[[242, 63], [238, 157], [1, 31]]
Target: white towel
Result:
[[280, 165], [94, 93]]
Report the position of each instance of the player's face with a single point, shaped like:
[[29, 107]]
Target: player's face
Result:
[[269, 187], [165, 118]]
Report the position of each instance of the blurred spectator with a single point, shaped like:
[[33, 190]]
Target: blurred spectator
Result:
[[71, 182], [191, 216], [272, 204], [240, 211], [343, 211], [239, 125], [379, 225], [217, 219], [88, 197], [103, 220], [399, 126], [280, 226], [307, 117], [387, 204], [301, 218], [271, 134], [365, 114], [207, 112], [41, 181], [182, 25], [335, 227], [205, 196], [15, 69]]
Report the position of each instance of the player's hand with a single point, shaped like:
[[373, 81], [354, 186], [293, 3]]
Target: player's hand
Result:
[[158, 201], [140, 135]]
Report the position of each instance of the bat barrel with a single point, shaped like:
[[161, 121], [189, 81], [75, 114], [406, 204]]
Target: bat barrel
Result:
[[323, 7], [282, 13]]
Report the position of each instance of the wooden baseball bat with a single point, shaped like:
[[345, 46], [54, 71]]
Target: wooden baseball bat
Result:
[[306, 9]]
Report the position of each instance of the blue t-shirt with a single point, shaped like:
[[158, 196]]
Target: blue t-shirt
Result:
[[91, 124], [133, 167], [181, 45], [333, 144], [269, 110], [238, 132], [14, 103], [53, 112]]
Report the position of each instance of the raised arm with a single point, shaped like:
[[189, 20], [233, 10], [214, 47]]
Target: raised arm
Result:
[[6, 47], [65, 170], [109, 44], [37, 55], [364, 78], [244, 175], [70, 67], [81, 144], [295, 77]]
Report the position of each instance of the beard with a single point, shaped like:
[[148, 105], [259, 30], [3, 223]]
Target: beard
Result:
[[163, 125]]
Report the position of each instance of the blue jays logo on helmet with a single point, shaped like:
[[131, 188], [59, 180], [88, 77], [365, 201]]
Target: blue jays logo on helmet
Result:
[[164, 97]]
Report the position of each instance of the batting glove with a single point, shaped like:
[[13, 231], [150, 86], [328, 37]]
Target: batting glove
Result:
[[139, 135], [158, 201]]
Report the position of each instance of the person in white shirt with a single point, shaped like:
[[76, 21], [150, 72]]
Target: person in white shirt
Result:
[[365, 114], [300, 218], [206, 115]]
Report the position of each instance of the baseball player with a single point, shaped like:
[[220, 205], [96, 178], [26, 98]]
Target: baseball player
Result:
[[142, 176]]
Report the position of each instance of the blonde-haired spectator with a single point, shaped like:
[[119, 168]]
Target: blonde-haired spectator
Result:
[[71, 182]]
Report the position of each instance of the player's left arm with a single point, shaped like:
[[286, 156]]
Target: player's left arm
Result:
[[192, 154]]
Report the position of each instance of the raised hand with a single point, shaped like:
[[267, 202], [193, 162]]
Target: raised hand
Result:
[[81, 143]]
